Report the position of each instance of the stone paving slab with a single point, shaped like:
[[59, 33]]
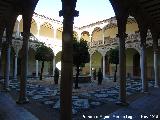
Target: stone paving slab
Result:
[[50, 95]]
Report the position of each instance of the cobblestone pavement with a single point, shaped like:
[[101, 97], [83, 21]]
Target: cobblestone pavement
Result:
[[89, 96]]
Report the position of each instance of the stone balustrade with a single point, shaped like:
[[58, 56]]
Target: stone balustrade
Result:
[[114, 41]]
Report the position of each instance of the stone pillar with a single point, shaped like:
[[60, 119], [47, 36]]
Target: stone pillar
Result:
[[9, 31], [90, 65], [36, 68], [143, 69], [156, 69], [122, 69], [143, 35], [2, 26], [15, 65], [7, 66], [121, 22], [27, 17], [68, 12], [155, 37], [104, 63]]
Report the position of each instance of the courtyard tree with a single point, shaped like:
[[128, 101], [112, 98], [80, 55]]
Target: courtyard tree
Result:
[[114, 59], [43, 53], [80, 56]]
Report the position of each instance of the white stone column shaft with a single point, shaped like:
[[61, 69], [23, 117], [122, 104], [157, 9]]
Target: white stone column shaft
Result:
[[156, 69], [15, 65], [36, 68], [7, 67]]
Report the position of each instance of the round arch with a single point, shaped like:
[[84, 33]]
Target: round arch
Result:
[[97, 34], [96, 60], [85, 35]]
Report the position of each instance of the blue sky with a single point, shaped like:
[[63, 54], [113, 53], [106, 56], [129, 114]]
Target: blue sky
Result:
[[89, 10]]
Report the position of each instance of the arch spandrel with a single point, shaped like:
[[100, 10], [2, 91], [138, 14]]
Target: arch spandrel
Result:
[[46, 30]]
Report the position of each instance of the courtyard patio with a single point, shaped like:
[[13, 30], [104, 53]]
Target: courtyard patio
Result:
[[91, 99]]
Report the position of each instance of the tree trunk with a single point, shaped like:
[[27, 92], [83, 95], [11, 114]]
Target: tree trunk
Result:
[[42, 70], [77, 75], [115, 74]]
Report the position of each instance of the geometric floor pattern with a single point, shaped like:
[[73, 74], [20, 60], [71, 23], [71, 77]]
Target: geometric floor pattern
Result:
[[50, 96]]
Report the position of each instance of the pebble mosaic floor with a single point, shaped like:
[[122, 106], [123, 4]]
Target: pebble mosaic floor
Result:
[[83, 101]]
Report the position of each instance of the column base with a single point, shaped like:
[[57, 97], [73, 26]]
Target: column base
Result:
[[120, 103], [24, 100]]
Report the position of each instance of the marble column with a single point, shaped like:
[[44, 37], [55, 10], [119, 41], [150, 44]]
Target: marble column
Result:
[[143, 34], [68, 12], [121, 23], [36, 68], [122, 69], [27, 18], [104, 63], [15, 65], [156, 69], [7, 66]]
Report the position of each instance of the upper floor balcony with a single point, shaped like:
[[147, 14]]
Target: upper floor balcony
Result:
[[131, 38]]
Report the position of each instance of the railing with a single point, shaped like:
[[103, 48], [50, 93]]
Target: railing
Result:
[[114, 41]]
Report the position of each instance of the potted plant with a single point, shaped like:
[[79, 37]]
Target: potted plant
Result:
[[56, 75]]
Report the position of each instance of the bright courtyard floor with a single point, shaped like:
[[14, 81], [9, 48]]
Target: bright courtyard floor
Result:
[[92, 101]]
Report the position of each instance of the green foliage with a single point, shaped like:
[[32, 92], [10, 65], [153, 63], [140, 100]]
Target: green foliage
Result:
[[80, 52], [114, 56], [43, 53]]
